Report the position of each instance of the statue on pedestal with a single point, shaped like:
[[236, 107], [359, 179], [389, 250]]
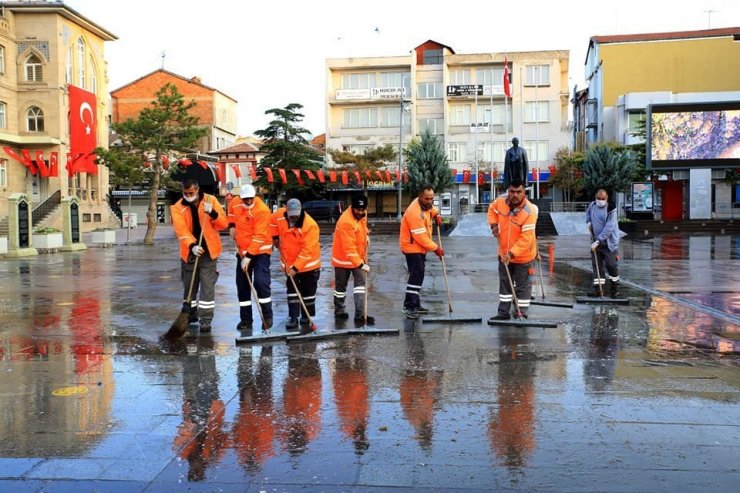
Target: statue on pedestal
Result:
[[515, 164]]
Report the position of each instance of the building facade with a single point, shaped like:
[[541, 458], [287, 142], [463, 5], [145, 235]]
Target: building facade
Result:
[[46, 47], [214, 109], [627, 73], [458, 97]]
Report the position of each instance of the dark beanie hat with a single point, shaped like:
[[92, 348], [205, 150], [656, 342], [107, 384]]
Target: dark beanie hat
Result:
[[359, 201]]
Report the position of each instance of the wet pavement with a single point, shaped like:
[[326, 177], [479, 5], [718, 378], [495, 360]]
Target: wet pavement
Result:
[[617, 398]]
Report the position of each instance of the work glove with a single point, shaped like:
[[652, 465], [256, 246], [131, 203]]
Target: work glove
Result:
[[207, 207], [245, 262], [291, 272], [439, 252], [197, 250], [594, 245], [438, 219], [365, 267]]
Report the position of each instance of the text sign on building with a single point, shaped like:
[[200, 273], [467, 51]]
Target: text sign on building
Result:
[[465, 90], [350, 94], [493, 90], [481, 127], [387, 92]]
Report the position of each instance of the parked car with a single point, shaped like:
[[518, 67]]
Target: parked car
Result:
[[323, 210]]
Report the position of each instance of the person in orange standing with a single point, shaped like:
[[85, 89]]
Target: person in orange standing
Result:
[[348, 256], [513, 220], [196, 210], [250, 219], [416, 240], [296, 235]]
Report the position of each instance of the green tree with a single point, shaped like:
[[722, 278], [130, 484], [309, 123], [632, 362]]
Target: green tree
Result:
[[371, 160], [427, 163], [163, 129], [286, 147], [608, 167], [569, 173]]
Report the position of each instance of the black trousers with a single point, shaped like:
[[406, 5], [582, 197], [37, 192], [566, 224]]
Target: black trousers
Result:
[[607, 266], [341, 279], [307, 282], [416, 264], [522, 287], [259, 270]]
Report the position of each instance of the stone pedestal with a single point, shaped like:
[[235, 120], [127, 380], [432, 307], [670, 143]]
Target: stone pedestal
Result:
[[20, 236], [71, 225]]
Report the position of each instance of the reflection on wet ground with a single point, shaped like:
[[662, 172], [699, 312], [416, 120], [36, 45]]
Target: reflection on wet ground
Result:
[[617, 398]]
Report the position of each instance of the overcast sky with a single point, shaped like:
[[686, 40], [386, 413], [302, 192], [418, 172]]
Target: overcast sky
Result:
[[272, 53]]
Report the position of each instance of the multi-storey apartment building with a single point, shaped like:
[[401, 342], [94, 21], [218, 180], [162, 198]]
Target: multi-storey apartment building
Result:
[[46, 47], [460, 98], [214, 109]]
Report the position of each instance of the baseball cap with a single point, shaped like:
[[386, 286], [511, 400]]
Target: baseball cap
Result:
[[359, 201], [293, 207], [247, 192]]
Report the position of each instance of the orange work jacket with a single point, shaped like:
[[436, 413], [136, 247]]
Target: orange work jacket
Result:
[[349, 249], [299, 245], [182, 222], [516, 229], [252, 226], [416, 229]]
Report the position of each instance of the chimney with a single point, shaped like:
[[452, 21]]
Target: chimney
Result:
[[196, 80]]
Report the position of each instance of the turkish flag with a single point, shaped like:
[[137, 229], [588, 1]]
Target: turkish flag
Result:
[[333, 176], [28, 161], [21, 159], [165, 162], [454, 173], [358, 178], [253, 171], [466, 177], [320, 174], [69, 166], [345, 178], [379, 174], [54, 164], [398, 176], [185, 162], [83, 129], [220, 172], [388, 176], [552, 169], [237, 170], [309, 174], [283, 176], [507, 81], [481, 178], [269, 174], [297, 174], [368, 174], [41, 164]]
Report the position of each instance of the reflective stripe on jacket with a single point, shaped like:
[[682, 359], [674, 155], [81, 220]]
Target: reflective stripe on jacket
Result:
[[349, 248], [416, 229], [182, 223], [253, 233], [516, 229], [299, 245]]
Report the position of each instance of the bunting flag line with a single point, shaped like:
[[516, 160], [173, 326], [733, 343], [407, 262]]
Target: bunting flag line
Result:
[[379, 174], [283, 176], [165, 162], [185, 162], [345, 178], [405, 176], [310, 175], [268, 171], [388, 176], [320, 174], [369, 175], [333, 176], [398, 175], [358, 178], [297, 174]]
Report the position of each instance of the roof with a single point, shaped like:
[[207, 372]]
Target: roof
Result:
[[193, 80], [66, 12], [319, 140], [437, 43], [633, 38], [242, 147]]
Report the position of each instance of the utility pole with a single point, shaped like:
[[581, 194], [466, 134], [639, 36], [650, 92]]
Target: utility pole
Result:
[[400, 154]]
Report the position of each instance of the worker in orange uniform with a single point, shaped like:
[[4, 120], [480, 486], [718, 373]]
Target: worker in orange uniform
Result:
[[296, 235], [348, 256], [416, 241], [250, 219], [513, 219], [196, 210]]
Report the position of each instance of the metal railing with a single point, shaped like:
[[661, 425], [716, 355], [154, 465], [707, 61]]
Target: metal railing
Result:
[[569, 207], [726, 211], [46, 207]]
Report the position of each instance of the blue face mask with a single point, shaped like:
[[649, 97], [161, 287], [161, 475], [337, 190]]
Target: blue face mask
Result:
[[601, 203]]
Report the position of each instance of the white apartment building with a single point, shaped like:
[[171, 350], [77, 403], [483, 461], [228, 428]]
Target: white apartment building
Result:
[[460, 97]]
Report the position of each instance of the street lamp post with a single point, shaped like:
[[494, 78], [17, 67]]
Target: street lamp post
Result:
[[402, 107]]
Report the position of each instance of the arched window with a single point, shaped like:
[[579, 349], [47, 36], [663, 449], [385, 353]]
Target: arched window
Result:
[[35, 119], [93, 77], [81, 62], [68, 65], [33, 68]]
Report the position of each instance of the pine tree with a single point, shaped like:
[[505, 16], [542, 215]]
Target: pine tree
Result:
[[608, 167], [427, 164]]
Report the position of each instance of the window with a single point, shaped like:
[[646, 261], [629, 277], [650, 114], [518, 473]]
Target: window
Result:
[[389, 116], [457, 152], [357, 149], [33, 69], [81, 62], [486, 148], [494, 115], [435, 125], [94, 78], [635, 122], [537, 75], [35, 119], [3, 172], [396, 79], [358, 80], [360, 117], [3, 115], [432, 57], [489, 76], [68, 65], [537, 151], [459, 77], [429, 90], [460, 114], [536, 111], [2, 59]]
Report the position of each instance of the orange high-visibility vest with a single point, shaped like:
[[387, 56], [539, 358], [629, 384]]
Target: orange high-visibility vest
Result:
[[253, 235], [349, 248], [182, 222], [299, 245], [416, 229], [516, 229]]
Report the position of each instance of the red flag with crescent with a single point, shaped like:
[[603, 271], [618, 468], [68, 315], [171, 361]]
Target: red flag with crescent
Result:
[[253, 171], [388, 176], [204, 165], [454, 173], [69, 166], [185, 162], [283, 176], [466, 176], [54, 164], [320, 174], [379, 174], [268, 171], [358, 178], [21, 159], [28, 162], [398, 175], [507, 80], [237, 170], [83, 129], [165, 162], [333, 176], [41, 164], [221, 172], [369, 174], [297, 174], [309, 174], [345, 178]]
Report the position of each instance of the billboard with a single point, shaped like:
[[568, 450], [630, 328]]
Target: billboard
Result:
[[693, 135], [642, 197]]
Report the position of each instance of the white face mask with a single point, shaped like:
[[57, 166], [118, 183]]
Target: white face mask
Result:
[[250, 206], [190, 199], [601, 203]]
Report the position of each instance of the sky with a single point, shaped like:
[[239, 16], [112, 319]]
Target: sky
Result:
[[273, 53]]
